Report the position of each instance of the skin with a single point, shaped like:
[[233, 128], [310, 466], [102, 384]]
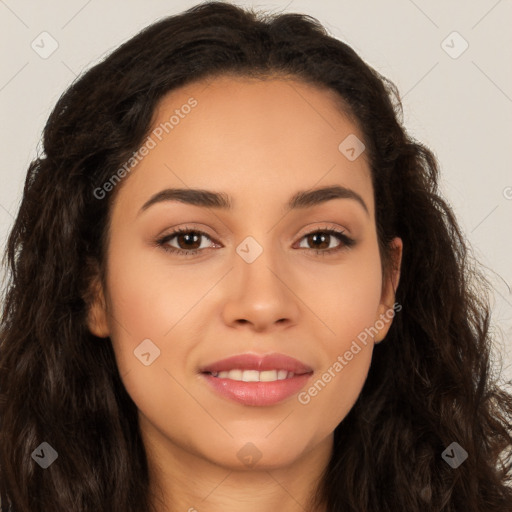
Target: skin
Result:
[[260, 142]]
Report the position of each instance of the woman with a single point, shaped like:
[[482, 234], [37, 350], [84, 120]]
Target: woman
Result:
[[235, 287]]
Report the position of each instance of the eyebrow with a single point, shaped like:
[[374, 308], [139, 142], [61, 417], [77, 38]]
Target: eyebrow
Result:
[[220, 200]]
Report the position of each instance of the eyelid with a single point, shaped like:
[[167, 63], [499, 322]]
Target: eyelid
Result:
[[324, 225], [187, 228]]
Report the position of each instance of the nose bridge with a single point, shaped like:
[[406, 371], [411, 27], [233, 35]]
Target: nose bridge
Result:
[[259, 259], [260, 296]]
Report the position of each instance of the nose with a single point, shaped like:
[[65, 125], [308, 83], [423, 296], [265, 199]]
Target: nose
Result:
[[260, 295]]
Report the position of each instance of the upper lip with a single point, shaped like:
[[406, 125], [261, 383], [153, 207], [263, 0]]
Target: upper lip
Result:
[[258, 362]]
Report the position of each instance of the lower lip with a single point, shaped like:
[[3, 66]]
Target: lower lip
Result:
[[258, 393]]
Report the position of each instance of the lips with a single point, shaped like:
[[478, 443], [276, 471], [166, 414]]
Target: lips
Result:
[[258, 363], [255, 380]]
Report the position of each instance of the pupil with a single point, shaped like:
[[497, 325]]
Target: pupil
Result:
[[323, 236], [188, 238]]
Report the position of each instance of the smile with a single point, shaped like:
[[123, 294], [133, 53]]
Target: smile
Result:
[[254, 375], [257, 380]]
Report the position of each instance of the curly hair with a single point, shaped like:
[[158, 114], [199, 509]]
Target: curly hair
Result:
[[430, 383]]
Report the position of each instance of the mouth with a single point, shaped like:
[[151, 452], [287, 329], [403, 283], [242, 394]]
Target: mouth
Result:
[[241, 375], [256, 380]]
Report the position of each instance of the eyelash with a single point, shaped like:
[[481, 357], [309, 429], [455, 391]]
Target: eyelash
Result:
[[347, 242]]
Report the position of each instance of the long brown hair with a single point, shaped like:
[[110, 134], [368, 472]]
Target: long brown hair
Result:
[[430, 384]]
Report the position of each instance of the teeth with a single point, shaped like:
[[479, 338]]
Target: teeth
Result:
[[254, 375], [233, 374], [268, 376]]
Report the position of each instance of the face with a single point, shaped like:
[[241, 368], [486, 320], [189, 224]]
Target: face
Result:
[[299, 280]]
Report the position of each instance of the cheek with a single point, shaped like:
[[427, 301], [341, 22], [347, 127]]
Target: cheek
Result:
[[163, 303], [349, 308], [344, 297], [148, 300]]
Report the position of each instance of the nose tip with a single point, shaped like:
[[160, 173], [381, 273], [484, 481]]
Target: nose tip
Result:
[[259, 298]]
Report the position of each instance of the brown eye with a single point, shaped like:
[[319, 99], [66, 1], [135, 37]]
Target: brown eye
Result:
[[320, 238], [188, 241], [320, 241]]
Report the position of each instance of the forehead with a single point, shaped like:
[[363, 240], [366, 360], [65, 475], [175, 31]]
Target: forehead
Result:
[[253, 138]]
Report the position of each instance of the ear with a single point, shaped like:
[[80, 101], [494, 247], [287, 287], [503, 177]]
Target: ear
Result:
[[386, 311], [97, 311]]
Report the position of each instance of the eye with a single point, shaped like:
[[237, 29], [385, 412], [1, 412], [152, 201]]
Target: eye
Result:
[[188, 238], [324, 237], [189, 241]]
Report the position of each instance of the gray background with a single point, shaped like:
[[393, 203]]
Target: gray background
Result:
[[457, 102]]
